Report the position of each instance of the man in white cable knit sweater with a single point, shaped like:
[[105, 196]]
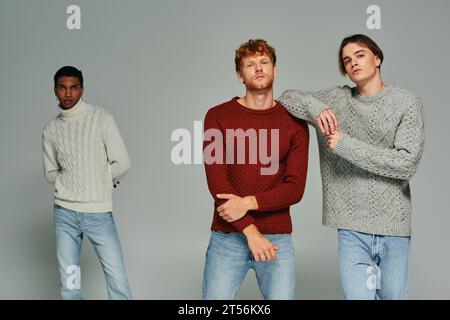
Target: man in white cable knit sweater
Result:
[[370, 144], [84, 157]]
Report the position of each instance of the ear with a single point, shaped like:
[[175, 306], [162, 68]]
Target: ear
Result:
[[81, 90], [239, 76], [275, 72], [377, 61]]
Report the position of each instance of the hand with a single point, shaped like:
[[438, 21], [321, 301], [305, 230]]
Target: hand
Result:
[[261, 248], [327, 121], [236, 207], [333, 139]]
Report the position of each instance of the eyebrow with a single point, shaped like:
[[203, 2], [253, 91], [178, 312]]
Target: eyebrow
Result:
[[356, 52]]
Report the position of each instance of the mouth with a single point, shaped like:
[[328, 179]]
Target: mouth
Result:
[[261, 76], [356, 71], [67, 101]]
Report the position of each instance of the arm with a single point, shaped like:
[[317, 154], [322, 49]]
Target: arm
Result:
[[50, 160], [116, 151], [308, 105], [402, 161], [289, 192], [217, 173]]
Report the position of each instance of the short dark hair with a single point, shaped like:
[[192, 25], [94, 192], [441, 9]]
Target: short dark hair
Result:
[[365, 41], [254, 47], [68, 71]]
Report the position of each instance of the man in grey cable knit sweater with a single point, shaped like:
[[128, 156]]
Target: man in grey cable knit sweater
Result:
[[84, 157], [370, 140]]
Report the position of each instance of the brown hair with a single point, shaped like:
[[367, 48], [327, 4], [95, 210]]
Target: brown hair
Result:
[[254, 47], [361, 39]]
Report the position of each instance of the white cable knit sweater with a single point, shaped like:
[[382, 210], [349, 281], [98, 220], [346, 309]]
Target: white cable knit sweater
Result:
[[84, 155]]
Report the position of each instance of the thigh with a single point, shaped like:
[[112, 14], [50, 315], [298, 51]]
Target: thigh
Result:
[[228, 259], [68, 246], [68, 236], [276, 278], [394, 266], [101, 230], [357, 268]]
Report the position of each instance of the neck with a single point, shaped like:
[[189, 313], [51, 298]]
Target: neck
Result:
[[371, 86], [258, 100]]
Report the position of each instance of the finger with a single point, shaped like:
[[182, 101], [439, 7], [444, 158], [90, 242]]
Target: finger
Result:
[[323, 123], [263, 256], [256, 257], [336, 123], [326, 123], [330, 122], [225, 196], [319, 123], [220, 208], [272, 253]]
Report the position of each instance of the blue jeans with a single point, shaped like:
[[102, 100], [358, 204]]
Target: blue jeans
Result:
[[228, 259], [372, 266], [70, 227]]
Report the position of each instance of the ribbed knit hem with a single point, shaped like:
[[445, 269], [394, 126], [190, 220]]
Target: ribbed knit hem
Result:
[[385, 228], [90, 207]]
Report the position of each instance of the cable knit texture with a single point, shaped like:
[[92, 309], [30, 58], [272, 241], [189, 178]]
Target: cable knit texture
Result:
[[365, 178], [276, 192], [84, 155]]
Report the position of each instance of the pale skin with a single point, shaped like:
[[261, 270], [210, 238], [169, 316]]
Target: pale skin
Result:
[[257, 74], [362, 67]]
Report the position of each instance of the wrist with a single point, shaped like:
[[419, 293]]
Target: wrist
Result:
[[251, 203], [250, 231]]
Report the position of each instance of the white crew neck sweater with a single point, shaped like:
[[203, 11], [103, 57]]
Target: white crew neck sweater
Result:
[[84, 155]]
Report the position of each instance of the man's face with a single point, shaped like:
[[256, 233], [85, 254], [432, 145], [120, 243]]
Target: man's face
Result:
[[360, 63], [68, 90], [257, 72]]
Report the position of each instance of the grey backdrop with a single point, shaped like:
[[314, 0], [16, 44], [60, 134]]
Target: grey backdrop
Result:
[[158, 66]]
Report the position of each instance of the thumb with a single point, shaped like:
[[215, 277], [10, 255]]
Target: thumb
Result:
[[225, 196]]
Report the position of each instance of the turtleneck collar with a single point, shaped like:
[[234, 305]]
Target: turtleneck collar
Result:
[[73, 112]]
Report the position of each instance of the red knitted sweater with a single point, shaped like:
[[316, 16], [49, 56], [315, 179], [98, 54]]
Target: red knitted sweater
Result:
[[274, 192]]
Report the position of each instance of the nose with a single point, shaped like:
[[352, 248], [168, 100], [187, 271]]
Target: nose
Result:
[[259, 67], [68, 92]]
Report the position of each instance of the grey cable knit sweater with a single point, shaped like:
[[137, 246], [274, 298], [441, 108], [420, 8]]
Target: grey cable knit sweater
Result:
[[365, 178]]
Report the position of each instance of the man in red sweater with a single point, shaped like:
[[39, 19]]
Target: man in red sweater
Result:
[[256, 159]]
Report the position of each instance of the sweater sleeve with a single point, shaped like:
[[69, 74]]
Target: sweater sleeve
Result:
[[402, 160], [217, 173], [116, 151], [50, 160], [308, 105], [291, 190]]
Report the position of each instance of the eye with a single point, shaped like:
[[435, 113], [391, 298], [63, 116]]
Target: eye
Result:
[[360, 55]]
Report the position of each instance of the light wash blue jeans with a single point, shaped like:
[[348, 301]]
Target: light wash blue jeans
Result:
[[70, 227], [228, 259], [373, 267]]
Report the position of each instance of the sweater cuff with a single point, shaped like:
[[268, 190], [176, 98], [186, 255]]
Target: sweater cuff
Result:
[[315, 106], [244, 222], [262, 201], [343, 147]]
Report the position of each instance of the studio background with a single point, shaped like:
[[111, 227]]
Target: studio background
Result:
[[158, 66]]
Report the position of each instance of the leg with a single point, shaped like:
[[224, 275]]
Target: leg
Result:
[[228, 259], [101, 231], [68, 246], [359, 271], [276, 279], [394, 265]]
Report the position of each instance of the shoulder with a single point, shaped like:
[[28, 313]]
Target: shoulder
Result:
[[293, 122], [405, 98], [222, 109]]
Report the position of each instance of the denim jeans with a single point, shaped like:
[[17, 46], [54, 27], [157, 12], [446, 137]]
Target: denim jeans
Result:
[[70, 227], [373, 266], [228, 258]]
